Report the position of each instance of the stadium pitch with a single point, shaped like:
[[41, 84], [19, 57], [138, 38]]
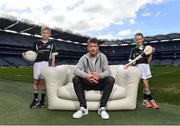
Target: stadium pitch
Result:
[[16, 95]]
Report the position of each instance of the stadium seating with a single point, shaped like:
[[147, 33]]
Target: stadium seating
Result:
[[3, 63], [166, 62], [13, 44], [176, 62], [15, 61], [156, 62]]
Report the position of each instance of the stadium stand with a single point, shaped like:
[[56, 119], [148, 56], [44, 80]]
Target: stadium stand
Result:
[[18, 36], [166, 61], [3, 63], [177, 62]]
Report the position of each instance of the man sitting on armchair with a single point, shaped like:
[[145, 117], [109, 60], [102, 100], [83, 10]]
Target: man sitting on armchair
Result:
[[93, 73]]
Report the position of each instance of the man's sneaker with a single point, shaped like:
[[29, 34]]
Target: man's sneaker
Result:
[[154, 104], [34, 103], [102, 112], [147, 103], [81, 112], [41, 104]]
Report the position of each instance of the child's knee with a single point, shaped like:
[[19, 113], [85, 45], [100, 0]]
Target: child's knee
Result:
[[36, 82]]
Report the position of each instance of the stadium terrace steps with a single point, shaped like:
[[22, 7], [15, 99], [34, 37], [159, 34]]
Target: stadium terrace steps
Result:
[[12, 45]]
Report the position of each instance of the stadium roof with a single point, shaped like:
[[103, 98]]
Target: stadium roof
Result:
[[148, 39], [12, 24], [28, 27]]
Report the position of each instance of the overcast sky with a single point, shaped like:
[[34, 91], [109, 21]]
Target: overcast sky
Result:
[[110, 19]]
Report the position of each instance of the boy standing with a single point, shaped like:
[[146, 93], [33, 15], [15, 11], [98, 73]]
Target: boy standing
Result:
[[46, 51]]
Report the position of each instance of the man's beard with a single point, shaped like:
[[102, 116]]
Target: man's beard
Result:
[[93, 55]]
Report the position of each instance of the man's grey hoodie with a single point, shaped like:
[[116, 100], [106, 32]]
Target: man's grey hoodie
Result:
[[85, 66]]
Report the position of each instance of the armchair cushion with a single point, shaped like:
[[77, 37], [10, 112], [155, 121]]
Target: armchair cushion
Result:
[[67, 92]]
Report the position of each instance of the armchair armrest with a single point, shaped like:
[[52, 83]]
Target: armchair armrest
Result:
[[54, 78]]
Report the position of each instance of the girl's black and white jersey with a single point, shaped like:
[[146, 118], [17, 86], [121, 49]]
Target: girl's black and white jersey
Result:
[[44, 50], [137, 51]]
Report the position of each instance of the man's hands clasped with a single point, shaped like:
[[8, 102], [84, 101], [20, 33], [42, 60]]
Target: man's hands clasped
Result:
[[93, 77]]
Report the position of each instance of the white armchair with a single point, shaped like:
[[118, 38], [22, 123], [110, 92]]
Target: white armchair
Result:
[[61, 94]]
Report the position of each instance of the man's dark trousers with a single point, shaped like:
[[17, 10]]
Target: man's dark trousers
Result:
[[105, 85]]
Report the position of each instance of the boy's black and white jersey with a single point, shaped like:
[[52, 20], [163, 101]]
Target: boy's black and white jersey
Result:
[[44, 50], [136, 52]]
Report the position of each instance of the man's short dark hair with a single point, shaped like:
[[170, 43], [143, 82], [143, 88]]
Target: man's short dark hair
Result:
[[139, 34], [93, 40], [45, 28]]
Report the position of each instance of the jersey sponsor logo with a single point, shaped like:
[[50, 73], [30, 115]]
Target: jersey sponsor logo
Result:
[[135, 55], [49, 46], [43, 50]]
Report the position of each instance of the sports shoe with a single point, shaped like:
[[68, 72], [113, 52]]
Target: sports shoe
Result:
[[154, 104], [34, 103], [81, 112], [41, 104], [147, 103], [102, 112]]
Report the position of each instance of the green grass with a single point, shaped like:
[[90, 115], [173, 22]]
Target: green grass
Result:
[[165, 84], [22, 74], [16, 95]]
